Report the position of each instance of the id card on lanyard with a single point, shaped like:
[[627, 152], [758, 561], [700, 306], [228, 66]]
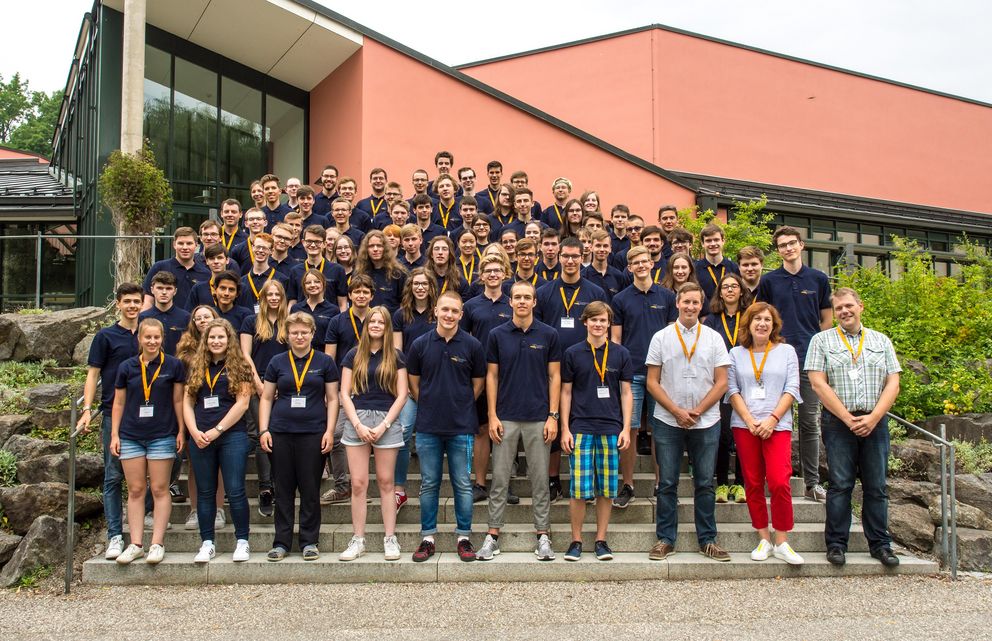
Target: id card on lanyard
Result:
[[148, 409], [298, 400]]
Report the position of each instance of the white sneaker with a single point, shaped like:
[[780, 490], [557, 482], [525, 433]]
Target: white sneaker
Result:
[[155, 554], [150, 523], [489, 549], [192, 522], [785, 552], [356, 548], [205, 555], [130, 553], [114, 547], [544, 552], [761, 552], [391, 547], [241, 551], [220, 520]]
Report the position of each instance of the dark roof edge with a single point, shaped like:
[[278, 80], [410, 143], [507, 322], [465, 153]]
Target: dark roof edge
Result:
[[501, 96], [729, 43]]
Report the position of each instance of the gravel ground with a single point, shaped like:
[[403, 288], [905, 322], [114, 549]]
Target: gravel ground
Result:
[[848, 608]]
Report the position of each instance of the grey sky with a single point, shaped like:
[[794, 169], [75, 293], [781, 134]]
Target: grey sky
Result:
[[943, 46]]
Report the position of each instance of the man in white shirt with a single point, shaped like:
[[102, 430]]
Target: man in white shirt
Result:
[[687, 375]]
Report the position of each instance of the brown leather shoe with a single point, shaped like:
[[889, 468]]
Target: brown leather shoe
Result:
[[661, 551], [337, 495], [715, 552]]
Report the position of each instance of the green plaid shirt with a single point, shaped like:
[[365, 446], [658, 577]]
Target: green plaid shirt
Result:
[[827, 353]]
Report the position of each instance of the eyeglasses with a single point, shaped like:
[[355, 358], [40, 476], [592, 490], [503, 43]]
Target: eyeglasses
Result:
[[300, 334], [417, 285], [634, 228], [788, 245], [284, 239], [565, 257], [493, 270], [729, 287], [313, 242], [526, 255]]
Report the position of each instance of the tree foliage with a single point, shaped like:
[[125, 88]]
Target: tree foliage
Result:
[[749, 224], [27, 118], [941, 328]]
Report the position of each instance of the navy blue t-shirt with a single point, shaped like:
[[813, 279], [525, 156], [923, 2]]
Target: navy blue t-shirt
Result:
[[463, 289], [185, 278], [553, 216], [235, 316], [201, 294], [551, 310], [388, 291], [322, 203], [446, 370], [481, 314], [247, 297], [709, 275], [175, 320], [262, 351], [300, 420], [343, 333], [411, 266], [612, 282], [590, 414], [322, 315], [798, 298], [715, 322], [241, 254], [162, 422], [337, 280], [534, 280], [619, 245], [277, 215], [417, 327], [642, 314], [374, 397], [447, 218], [316, 219], [110, 347], [359, 220], [207, 418], [548, 273], [523, 358]]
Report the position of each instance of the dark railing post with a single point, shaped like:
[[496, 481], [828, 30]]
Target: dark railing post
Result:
[[70, 542]]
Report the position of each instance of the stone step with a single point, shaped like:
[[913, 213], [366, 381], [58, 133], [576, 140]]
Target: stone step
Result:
[[179, 569], [641, 510], [643, 485], [519, 537]]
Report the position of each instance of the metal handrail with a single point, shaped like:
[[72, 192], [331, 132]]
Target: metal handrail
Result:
[[948, 495], [70, 542]]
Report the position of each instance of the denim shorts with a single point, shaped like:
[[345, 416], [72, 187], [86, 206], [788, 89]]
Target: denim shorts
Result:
[[153, 450], [391, 438]]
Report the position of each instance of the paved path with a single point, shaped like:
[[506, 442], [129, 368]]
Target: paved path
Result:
[[830, 609]]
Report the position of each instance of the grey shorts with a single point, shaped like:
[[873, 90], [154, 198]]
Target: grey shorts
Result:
[[391, 438]]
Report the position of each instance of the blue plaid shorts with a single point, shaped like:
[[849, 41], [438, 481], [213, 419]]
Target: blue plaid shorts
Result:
[[595, 461]]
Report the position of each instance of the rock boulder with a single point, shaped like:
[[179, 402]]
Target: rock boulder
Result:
[[920, 460], [47, 395], [23, 503], [11, 425], [8, 543], [968, 516], [42, 545], [51, 335], [974, 549], [81, 352], [46, 419], [910, 524], [920, 492], [966, 427], [55, 468], [26, 448], [975, 490]]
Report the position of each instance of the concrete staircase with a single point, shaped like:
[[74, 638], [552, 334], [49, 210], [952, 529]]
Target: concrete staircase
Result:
[[631, 535]]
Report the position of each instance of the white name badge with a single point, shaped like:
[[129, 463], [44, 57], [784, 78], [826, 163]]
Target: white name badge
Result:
[[298, 402], [602, 392], [758, 394], [211, 402], [567, 323], [257, 308], [146, 411], [689, 372], [854, 374]]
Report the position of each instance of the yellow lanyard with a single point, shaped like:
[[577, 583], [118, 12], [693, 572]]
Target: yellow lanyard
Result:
[[600, 370], [445, 216], [354, 325], [861, 344], [210, 383], [298, 378], [375, 209], [726, 330], [471, 270], [489, 192], [319, 268], [251, 281], [723, 270], [229, 241], [145, 385], [558, 214], [657, 275], [213, 294], [568, 305], [533, 279], [507, 221], [685, 350], [754, 364]]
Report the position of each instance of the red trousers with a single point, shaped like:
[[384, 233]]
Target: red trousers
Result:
[[768, 460]]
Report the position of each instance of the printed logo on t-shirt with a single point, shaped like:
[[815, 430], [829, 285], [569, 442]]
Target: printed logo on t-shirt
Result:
[[536, 346]]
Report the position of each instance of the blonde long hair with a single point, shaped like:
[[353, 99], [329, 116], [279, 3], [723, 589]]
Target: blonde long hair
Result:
[[386, 374], [263, 329]]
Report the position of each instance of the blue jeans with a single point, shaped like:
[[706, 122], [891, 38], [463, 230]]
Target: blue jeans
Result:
[[431, 449], [407, 417], [113, 475], [850, 457], [229, 454], [669, 444], [638, 386]]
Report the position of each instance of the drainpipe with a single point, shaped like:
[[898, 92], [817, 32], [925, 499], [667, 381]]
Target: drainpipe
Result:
[[133, 76]]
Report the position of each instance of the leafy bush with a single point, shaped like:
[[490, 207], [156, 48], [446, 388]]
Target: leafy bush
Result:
[[748, 224], [90, 442], [8, 468], [974, 458], [944, 323]]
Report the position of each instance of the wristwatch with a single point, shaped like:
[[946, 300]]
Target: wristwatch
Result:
[[554, 415]]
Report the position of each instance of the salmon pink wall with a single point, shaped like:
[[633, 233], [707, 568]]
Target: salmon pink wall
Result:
[[410, 111], [731, 112], [10, 154], [336, 120]]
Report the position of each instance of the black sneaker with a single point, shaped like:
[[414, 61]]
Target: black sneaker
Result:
[[511, 498], [574, 551], [644, 443], [465, 551], [479, 493], [424, 551], [265, 502], [624, 497], [176, 494], [603, 551], [554, 488]]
